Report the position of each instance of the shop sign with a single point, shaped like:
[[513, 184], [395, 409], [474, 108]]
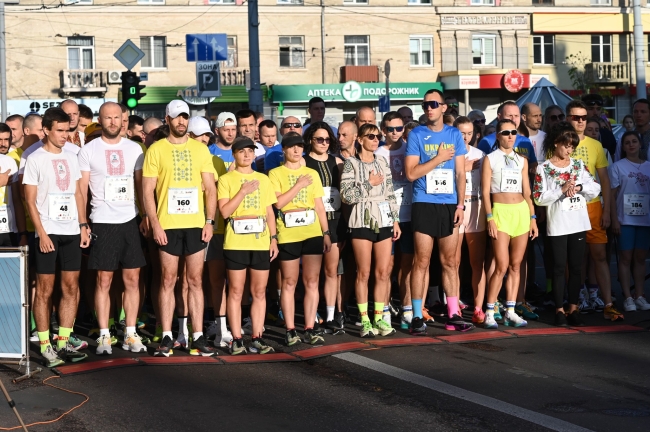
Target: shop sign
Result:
[[469, 82], [513, 81], [351, 91], [471, 22], [39, 106]]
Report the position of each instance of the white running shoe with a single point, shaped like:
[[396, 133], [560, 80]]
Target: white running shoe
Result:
[[514, 320], [133, 343], [490, 322], [104, 345], [641, 303], [34, 336], [223, 340], [629, 305]]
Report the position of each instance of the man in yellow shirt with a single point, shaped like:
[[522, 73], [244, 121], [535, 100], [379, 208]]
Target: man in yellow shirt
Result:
[[176, 168]]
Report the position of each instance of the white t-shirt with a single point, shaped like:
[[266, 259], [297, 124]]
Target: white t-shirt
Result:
[[402, 187], [55, 176], [115, 163], [7, 163], [23, 158], [634, 181], [538, 145]]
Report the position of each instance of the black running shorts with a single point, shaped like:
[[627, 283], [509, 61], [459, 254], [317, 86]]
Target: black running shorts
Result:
[[117, 245], [66, 250]]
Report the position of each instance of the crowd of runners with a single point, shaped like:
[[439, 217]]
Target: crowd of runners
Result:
[[212, 230]]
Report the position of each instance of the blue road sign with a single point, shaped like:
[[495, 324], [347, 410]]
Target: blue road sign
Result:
[[384, 103], [206, 47]]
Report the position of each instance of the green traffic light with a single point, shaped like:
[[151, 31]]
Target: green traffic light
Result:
[[131, 103]]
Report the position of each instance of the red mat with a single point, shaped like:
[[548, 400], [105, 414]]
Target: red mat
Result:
[[385, 343], [311, 353], [259, 358], [180, 360], [608, 329], [83, 367], [475, 336], [550, 331]]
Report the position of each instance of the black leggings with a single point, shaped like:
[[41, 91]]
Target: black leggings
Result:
[[567, 249]]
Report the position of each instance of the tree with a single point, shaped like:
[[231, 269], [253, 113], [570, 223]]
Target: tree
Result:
[[580, 79]]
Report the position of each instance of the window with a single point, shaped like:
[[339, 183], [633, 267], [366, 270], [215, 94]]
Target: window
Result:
[[543, 49], [423, 2], [221, 1], [482, 2], [292, 52], [357, 51], [484, 50], [355, 1], [232, 53], [155, 52], [421, 50], [81, 52], [601, 48], [601, 2], [290, 2], [151, 2]]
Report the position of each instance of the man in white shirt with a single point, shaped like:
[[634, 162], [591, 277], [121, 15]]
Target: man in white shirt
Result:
[[112, 166], [531, 115], [51, 179], [8, 168]]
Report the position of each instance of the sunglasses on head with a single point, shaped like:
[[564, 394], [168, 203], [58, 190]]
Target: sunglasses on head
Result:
[[576, 118], [372, 137], [512, 132], [556, 117], [321, 140], [479, 121], [431, 105], [394, 128], [292, 125]]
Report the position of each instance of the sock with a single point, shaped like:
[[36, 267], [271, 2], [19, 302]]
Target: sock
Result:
[[330, 313], [64, 335], [32, 322], [44, 338], [103, 332], [379, 310], [111, 322], [122, 315], [167, 333], [222, 322], [182, 325], [386, 314], [489, 310], [130, 330], [549, 285], [511, 307], [363, 312], [417, 307], [197, 335], [452, 306]]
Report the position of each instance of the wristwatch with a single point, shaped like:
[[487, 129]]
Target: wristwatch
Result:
[[274, 237], [327, 233], [83, 225], [209, 221]]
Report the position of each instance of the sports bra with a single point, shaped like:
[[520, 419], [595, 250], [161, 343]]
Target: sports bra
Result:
[[500, 161]]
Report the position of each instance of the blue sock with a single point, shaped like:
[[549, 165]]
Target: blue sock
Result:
[[417, 307]]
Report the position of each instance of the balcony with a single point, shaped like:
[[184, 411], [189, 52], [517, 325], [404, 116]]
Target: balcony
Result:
[[84, 81], [234, 76], [607, 73], [360, 73]]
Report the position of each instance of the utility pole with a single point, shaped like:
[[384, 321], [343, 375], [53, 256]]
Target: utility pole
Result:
[[322, 40], [255, 100], [639, 54]]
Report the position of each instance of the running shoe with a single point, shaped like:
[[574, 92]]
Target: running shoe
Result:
[[366, 330], [597, 304], [490, 322], [514, 320], [575, 319], [428, 319], [339, 317], [181, 341], [610, 313], [291, 338], [383, 328], [318, 329], [462, 305], [144, 338], [77, 343], [113, 333], [259, 346], [497, 311], [405, 323], [52, 358], [133, 343], [165, 348], [104, 346], [642, 304], [334, 327], [560, 319], [456, 323], [393, 310], [201, 348], [478, 317], [237, 347], [438, 309], [585, 306], [319, 320], [93, 331], [213, 330], [157, 336], [54, 323], [247, 326], [140, 325], [34, 336], [121, 329], [524, 310], [223, 340], [418, 327], [629, 305], [68, 354], [312, 337]]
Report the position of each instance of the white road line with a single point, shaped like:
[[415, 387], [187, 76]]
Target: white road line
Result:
[[457, 392]]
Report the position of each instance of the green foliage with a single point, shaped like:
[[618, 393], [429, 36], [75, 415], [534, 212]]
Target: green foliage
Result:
[[579, 78]]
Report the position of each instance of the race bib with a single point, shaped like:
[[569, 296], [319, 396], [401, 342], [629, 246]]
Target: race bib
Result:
[[299, 218], [4, 219], [248, 226], [403, 194], [386, 215], [183, 201], [573, 203], [331, 199], [440, 181], [61, 207], [472, 182], [118, 189], [635, 204], [510, 180]]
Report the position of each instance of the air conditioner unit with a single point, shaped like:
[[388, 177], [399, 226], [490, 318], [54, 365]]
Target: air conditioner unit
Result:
[[114, 77]]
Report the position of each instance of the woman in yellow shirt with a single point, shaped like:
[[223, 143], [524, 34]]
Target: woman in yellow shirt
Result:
[[250, 243], [302, 233]]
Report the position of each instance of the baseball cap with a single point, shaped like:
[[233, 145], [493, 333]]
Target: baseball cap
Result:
[[176, 108], [223, 119], [92, 128], [292, 140], [593, 99], [199, 126], [243, 142]]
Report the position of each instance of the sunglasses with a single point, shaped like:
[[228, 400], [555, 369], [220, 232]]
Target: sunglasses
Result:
[[453, 105], [430, 105], [479, 121], [512, 132], [292, 125], [394, 128], [372, 137], [321, 140], [577, 118], [556, 117]]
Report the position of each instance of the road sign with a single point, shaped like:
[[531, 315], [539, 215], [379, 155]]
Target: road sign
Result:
[[208, 79], [144, 76], [384, 103], [206, 47], [129, 54]]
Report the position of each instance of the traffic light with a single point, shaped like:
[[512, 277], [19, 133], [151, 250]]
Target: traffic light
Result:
[[131, 89]]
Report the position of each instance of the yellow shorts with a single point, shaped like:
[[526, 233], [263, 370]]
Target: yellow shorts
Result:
[[596, 235], [512, 219]]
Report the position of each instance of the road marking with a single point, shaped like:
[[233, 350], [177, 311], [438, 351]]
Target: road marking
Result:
[[457, 392]]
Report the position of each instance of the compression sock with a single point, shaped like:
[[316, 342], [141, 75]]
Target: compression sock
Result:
[[452, 306], [489, 310], [379, 310], [44, 339], [330, 313], [363, 312], [417, 307], [64, 335]]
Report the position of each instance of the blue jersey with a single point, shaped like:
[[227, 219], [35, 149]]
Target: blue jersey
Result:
[[225, 155], [523, 146], [274, 158], [424, 143]]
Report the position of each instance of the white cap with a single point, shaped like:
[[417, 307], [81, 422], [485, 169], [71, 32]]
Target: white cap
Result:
[[199, 126], [176, 108], [222, 119]]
